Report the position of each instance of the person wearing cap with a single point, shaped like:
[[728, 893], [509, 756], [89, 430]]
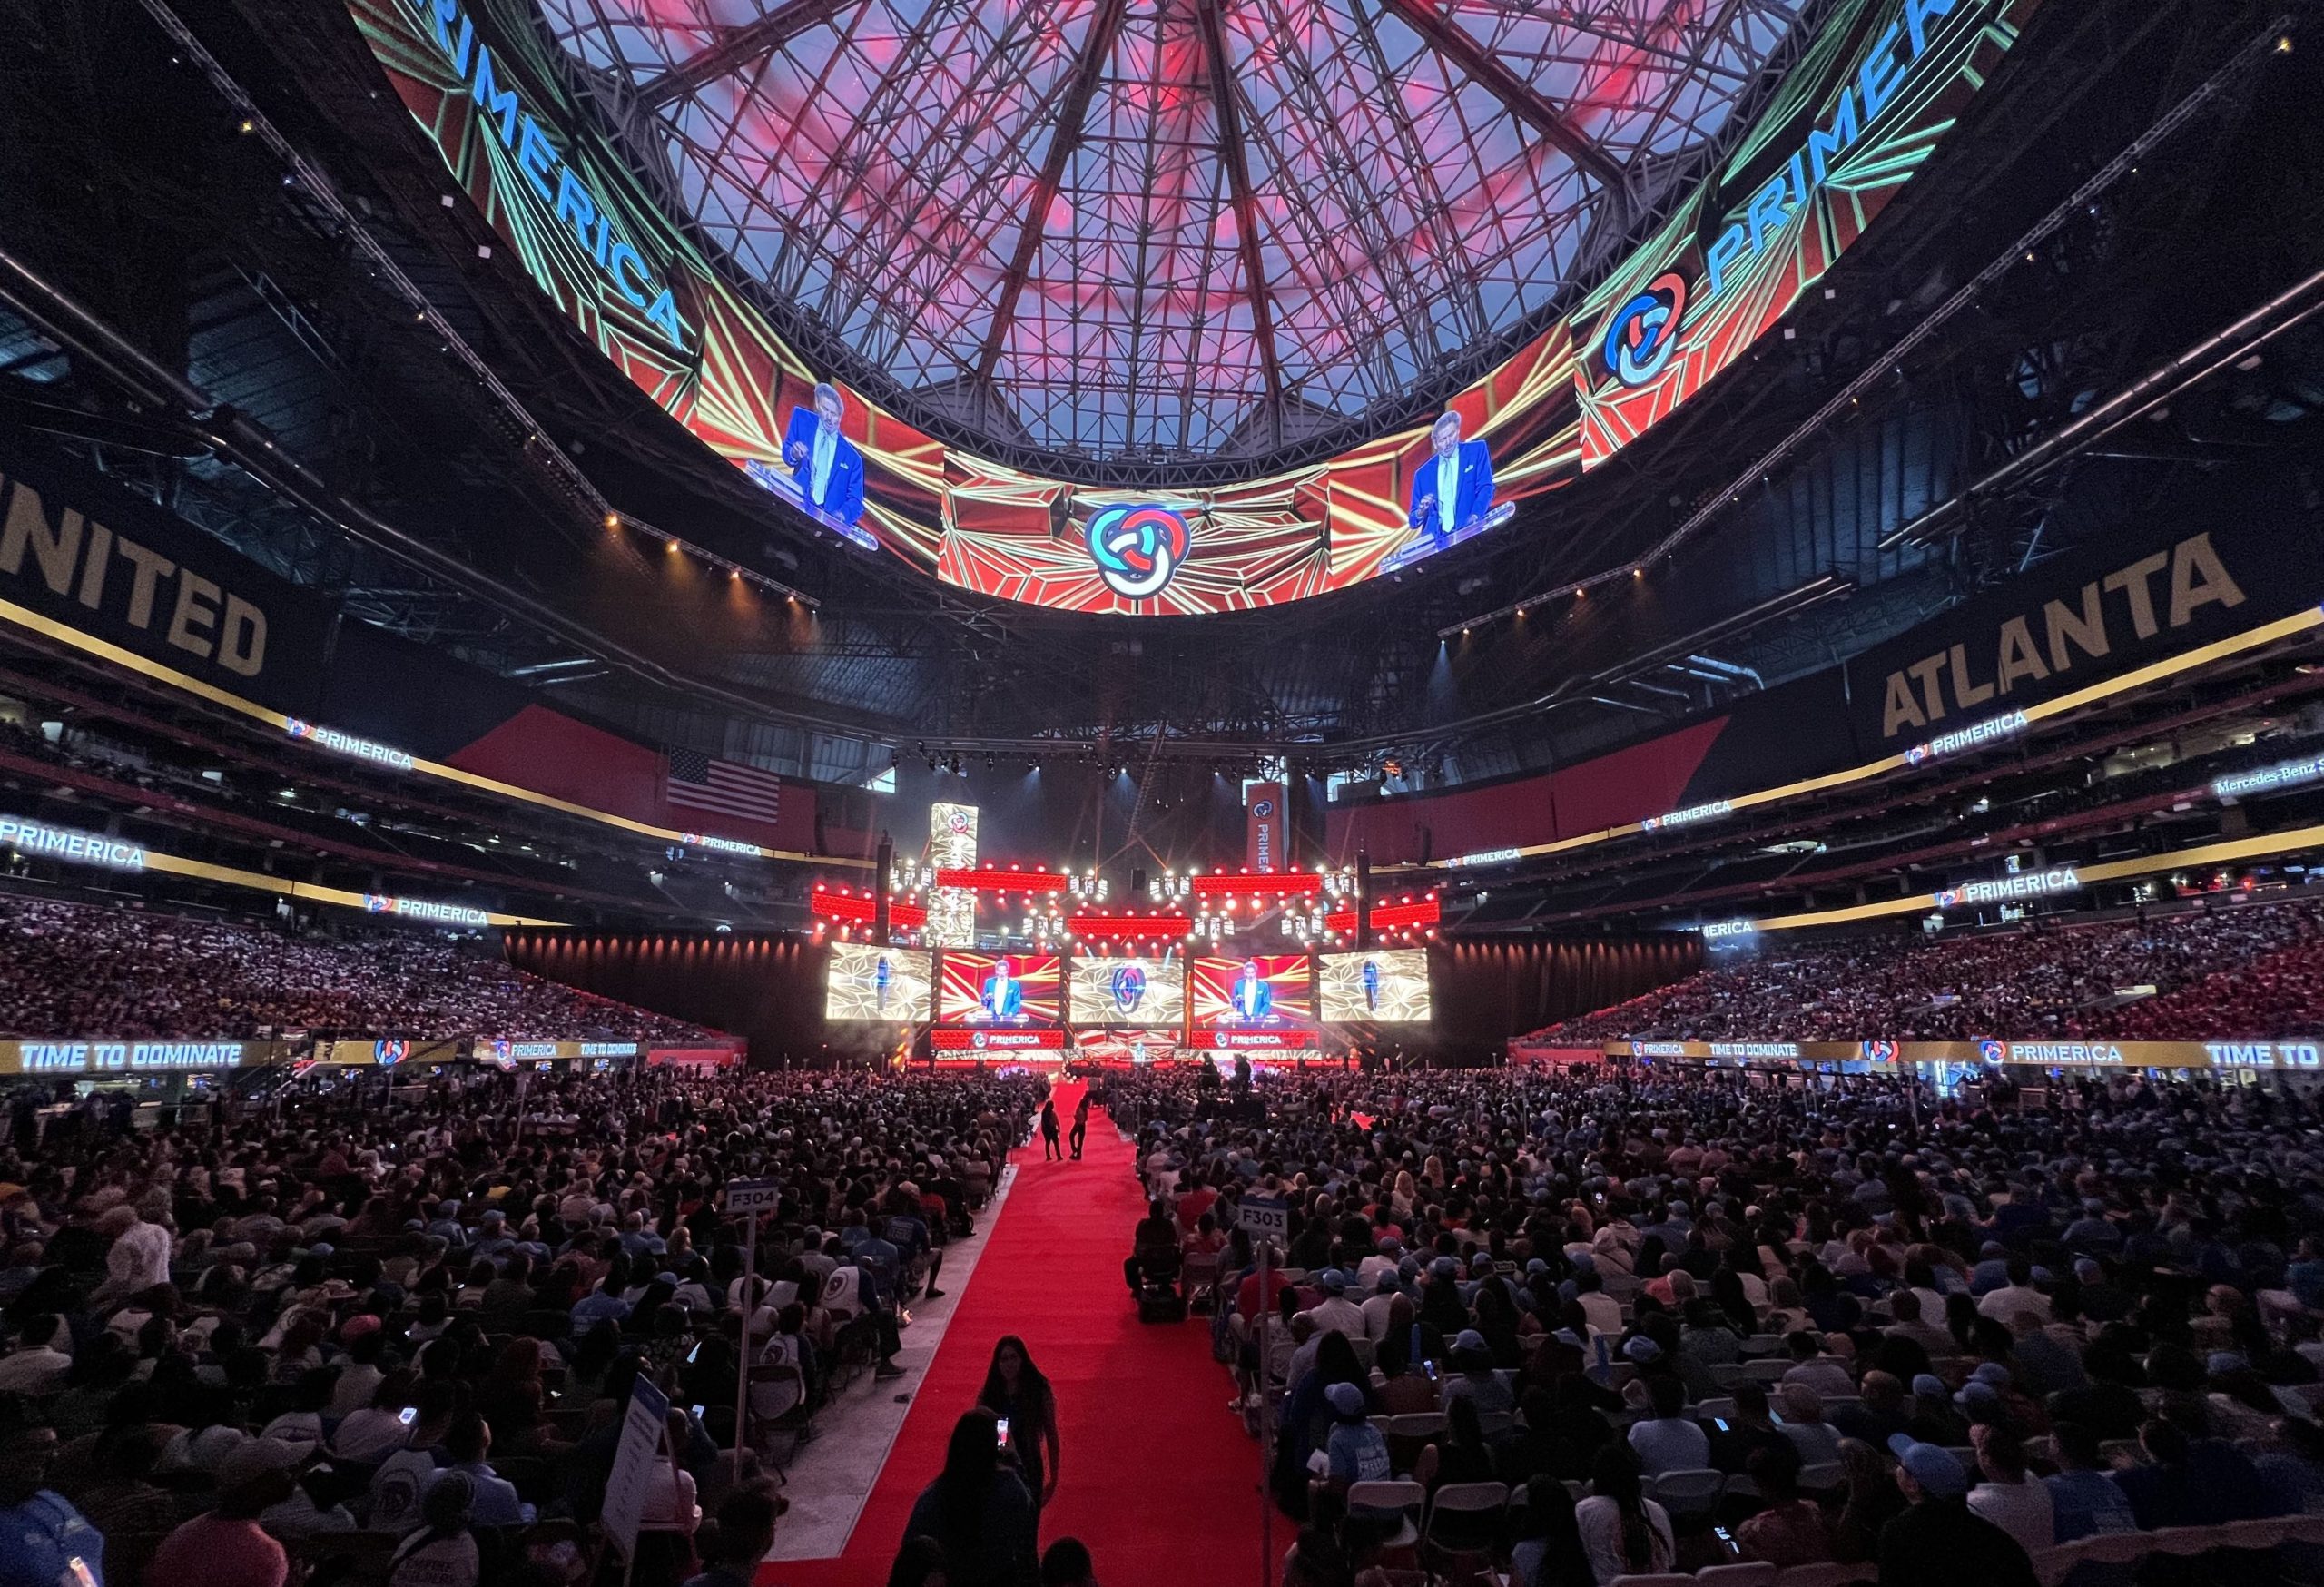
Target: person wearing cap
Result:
[[440, 1551], [1334, 1312], [1473, 1378], [1378, 1307], [1353, 1451], [1938, 1540], [228, 1547]]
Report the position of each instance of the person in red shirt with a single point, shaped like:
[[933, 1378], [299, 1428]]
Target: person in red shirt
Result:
[[1249, 1300], [1192, 1205], [226, 1548]]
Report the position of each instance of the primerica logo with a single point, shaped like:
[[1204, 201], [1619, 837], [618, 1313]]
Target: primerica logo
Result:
[[1642, 334], [1688, 816], [65, 842], [1137, 550], [2047, 883], [1128, 984], [421, 909], [347, 743], [1994, 728]]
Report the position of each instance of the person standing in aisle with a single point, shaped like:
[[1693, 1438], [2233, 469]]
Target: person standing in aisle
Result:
[[1080, 1125], [1048, 1131]]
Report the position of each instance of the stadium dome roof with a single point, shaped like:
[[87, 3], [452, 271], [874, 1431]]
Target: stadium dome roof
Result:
[[1168, 230]]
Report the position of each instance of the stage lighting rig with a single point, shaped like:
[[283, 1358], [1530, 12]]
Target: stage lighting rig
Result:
[[1170, 887]]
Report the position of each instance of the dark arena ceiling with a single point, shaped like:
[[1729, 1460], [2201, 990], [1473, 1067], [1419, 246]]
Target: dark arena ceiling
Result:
[[239, 277]]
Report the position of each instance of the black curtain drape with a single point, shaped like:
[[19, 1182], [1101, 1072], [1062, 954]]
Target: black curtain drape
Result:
[[768, 989], [1488, 991]]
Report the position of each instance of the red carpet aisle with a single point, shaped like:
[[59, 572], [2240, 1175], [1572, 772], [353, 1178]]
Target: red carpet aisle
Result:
[[1157, 1478]]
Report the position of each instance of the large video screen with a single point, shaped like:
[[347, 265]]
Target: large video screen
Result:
[[864, 982], [1128, 992], [1387, 987], [1859, 112], [1271, 992], [999, 989]]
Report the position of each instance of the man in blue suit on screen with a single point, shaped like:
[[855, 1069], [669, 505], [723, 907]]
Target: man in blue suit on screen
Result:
[[829, 469], [1002, 995], [1453, 487], [1254, 999]]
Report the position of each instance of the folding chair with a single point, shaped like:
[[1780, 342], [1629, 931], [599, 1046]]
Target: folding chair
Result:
[[797, 1423], [1721, 1410], [1410, 1434], [1744, 1574], [1689, 1493], [1405, 1498], [2265, 1532], [2116, 1548], [2186, 1542], [1822, 1477], [1828, 1575], [2054, 1564], [1666, 1579], [1464, 1518], [1766, 1372], [1200, 1280]]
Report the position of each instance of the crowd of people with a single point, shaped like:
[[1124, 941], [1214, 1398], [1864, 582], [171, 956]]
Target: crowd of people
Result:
[[2024, 985], [392, 1337], [69, 970], [1821, 1321]]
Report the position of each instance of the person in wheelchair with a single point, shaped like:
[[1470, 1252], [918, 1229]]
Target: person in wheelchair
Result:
[[1154, 1261]]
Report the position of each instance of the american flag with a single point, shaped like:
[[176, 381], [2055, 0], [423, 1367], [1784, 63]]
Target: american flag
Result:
[[697, 781]]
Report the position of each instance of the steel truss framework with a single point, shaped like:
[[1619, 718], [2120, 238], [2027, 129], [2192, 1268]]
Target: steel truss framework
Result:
[[1168, 235]]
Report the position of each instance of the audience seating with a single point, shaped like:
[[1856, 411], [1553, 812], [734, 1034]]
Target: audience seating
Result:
[[2254, 970], [69, 970]]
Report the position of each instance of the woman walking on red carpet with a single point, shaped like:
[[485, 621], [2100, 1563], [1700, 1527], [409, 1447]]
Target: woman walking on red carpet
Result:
[[1016, 1392]]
